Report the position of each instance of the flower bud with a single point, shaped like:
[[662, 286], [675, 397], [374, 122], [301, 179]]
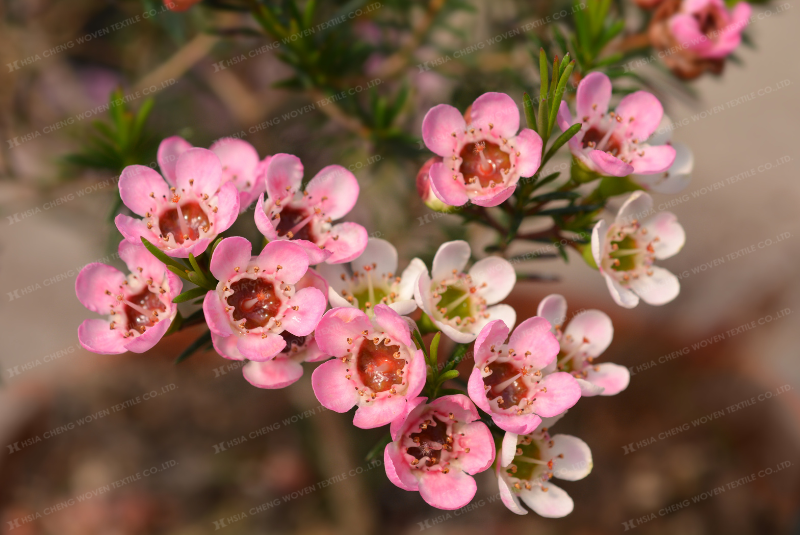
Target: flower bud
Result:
[[424, 188]]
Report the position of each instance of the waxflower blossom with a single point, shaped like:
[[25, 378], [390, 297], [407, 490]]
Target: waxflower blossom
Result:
[[240, 165], [286, 367], [588, 334], [139, 305], [528, 462], [377, 367], [679, 174], [508, 380], [185, 217], [614, 143], [459, 303], [371, 280], [483, 155], [306, 217], [694, 36], [626, 250], [256, 299], [436, 448]]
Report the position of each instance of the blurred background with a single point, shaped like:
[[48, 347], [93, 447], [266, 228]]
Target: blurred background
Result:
[[135, 444]]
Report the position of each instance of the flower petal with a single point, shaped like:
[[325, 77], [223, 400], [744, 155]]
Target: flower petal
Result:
[[508, 449], [284, 176], [593, 327], [310, 303], [609, 165], [495, 114], [451, 256], [396, 469], [476, 390], [533, 340], [150, 338], [409, 278], [336, 326], [622, 296], [283, 259], [656, 289], [529, 145], [445, 187], [134, 229], [671, 236], [637, 207], [477, 437], [239, 161], [493, 333], [593, 95], [393, 325], [447, 491], [612, 378], [553, 308], [641, 112], [523, 424], [200, 171], [656, 159], [279, 372], [347, 242], [169, 150], [96, 335], [379, 412], [263, 222], [97, 287], [227, 207], [231, 255], [562, 393], [139, 187], [216, 317], [260, 347], [225, 346], [572, 458], [332, 389], [494, 277], [442, 129], [508, 497], [554, 503], [496, 197], [335, 190], [380, 256]]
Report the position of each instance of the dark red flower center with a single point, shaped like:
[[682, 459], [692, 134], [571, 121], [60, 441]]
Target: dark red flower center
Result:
[[431, 441], [377, 366], [484, 161], [594, 136], [144, 301], [194, 219], [289, 219], [511, 393], [253, 300]]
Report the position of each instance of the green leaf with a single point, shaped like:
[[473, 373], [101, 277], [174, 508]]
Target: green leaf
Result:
[[194, 346], [141, 118], [182, 273], [556, 196], [543, 76], [546, 180], [530, 115], [175, 326], [457, 356], [190, 294], [560, 141], [201, 274], [377, 449], [420, 343], [162, 256], [434, 352], [446, 376], [214, 247], [559, 95]]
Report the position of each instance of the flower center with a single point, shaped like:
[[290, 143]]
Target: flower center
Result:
[[183, 222], [526, 462], [625, 253], [485, 162], [431, 440], [595, 138], [293, 342], [505, 382], [255, 301], [378, 367], [293, 224], [140, 310], [710, 20], [455, 303]]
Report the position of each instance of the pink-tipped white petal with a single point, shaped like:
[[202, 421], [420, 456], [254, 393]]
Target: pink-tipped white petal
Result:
[[380, 257], [592, 327], [657, 288], [572, 458], [637, 207], [508, 497], [451, 256], [553, 308], [622, 296], [671, 236], [263, 222], [555, 503], [508, 449]]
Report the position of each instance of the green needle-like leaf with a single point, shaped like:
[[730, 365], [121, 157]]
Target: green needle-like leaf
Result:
[[560, 141], [194, 346], [530, 115], [190, 294], [162, 256]]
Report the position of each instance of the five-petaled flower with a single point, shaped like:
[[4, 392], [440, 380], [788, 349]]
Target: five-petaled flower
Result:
[[482, 160], [240, 165], [306, 217], [588, 334], [625, 251], [139, 305], [529, 461], [185, 217], [458, 302], [614, 143], [436, 448], [371, 279], [256, 299], [377, 366], [508, 380]]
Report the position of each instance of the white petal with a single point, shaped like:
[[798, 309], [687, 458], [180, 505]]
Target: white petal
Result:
[[337, 300], [636, 208], [671, 236], [657, 289], [452, 255], [409, 278], [576, 462], [588, 389], [555, 503], [499, 312], [553, 308], [380, 255], [509, 448], [599, 233], [404, 307], [622, 296], [508, 497], [591, 325], [332, 273], [497, 274]]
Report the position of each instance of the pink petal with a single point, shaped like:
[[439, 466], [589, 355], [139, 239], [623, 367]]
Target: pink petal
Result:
[[459, 404], [216, 317], [311, 304], [393, 325], [613, 378], [498, 276], [523, 424], [533, 335], [656, 159], [285, 260], [686, 31], [199, 171], [447, 189], [477, 437], [312, 279], [379, 412], [594, 326], [553, 308], [332, 389], [279, 372], [315, 254], [476, 390], [336, 326], [284, 176], [442, 129], [335, 190], [497, 110], [134, 229], [95, 335], [562, 393], [593, 96], [572, 458], [346, 242], [496, 197], [508, 449], [609, 165], [564, 117], [529, 145], [494, 333], [641, 113], [149, 338], [93, 281], [451, 256], [168, 152], [225, 346], [312, 352], [416, 375], [230, 254], [255, 346], [396, 469], [197, 248], [239, 161], [136, 183], [447, 491], [657, 289], [555, 503], [143, 264], [671, 236], [398, 426], [263, 221], [227, 208]]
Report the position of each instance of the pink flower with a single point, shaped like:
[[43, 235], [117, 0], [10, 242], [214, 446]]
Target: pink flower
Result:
[[377, 366], [507, 381], [585, 338], [483, 161], [372, 279], [184, 218], [285, 368], [240, 165], [528, 462], [425, 190], [459, 303], [139, 306], [614, 143], [257, 299], [306, 217], [437, 448], [708, 28], [679, 174], [625, 252]]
